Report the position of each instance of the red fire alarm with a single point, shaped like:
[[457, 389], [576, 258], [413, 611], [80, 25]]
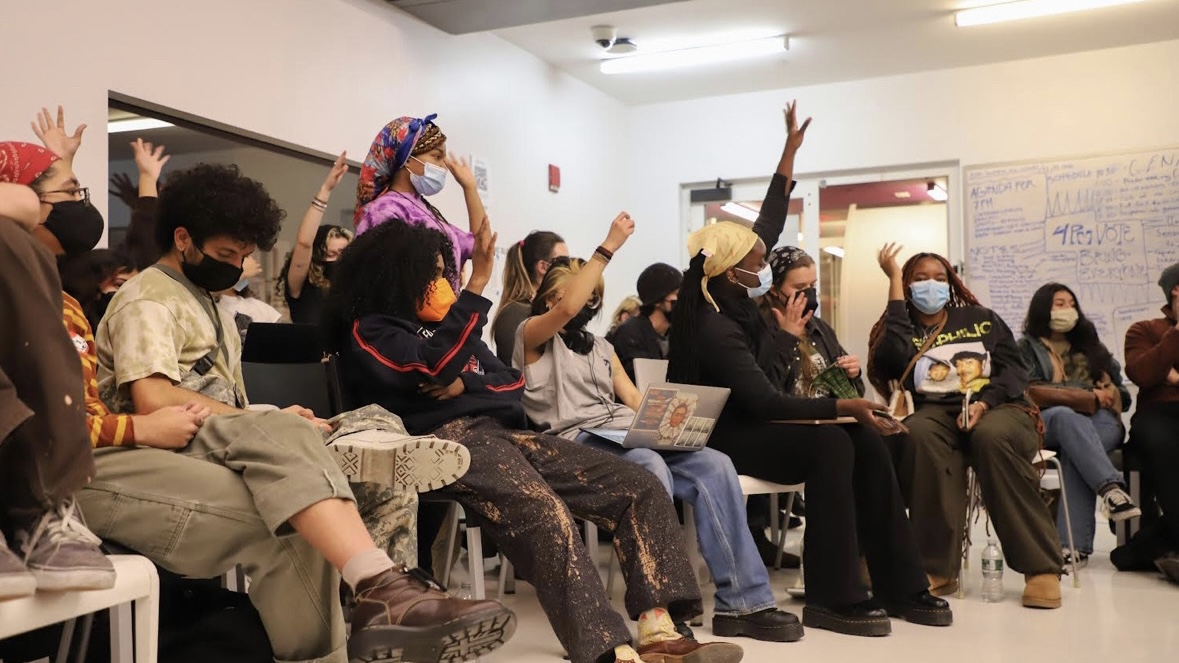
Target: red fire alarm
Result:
[[554, 178]]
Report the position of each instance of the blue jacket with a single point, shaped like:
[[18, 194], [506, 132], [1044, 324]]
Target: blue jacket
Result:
[[1039, 361]]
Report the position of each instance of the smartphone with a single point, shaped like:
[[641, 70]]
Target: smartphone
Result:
[[890, 422], [964, 419]]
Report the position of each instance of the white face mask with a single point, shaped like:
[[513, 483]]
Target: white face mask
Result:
[[765, 279], [431, 182], [1063, 320]]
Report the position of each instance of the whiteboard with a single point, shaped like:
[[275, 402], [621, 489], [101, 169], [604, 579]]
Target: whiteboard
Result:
[[1106, 226]]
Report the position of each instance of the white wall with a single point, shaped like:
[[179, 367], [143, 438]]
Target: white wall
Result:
[[327, 75], [1093, 102]]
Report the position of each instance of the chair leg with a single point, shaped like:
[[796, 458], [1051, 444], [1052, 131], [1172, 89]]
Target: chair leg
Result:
[[67, 639], [774, 516], [610, 563], [147, 627], [475, 562], [84, 637], [1134, 524], [780, 542], [507, 577], [591, 543], [122, 644], [1068, 521], [451, 539]]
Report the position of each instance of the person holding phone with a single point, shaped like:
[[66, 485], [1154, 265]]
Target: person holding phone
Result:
[[933, 320]]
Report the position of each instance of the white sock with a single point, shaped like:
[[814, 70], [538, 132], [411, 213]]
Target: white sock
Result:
[[626, 654], [366, 565]]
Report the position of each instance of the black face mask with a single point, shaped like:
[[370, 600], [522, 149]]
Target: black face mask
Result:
[[582, 319], [329, 269], [812, 300], [76, 224], [210, 274]]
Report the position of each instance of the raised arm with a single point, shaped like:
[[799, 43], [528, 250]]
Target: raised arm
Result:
[[309, 226], [774, 208], [538, 330], [149, 160], [461, 170]]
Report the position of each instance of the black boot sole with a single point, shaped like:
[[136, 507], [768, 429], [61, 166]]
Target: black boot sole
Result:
[[831, 621], [735, 627], [922, 616], [460, 640]]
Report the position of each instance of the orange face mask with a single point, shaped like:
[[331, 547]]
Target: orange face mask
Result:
[[439, 298]]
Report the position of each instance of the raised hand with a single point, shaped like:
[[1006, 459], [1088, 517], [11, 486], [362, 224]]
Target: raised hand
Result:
[[621, 228], [887, 257], [251, 268], [482, 259], [149, 159], [53, 134], [795, 134], [460, 168], [337, 172], [124, 189]]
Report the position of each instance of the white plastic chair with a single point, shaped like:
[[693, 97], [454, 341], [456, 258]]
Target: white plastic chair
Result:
[[137, 585]]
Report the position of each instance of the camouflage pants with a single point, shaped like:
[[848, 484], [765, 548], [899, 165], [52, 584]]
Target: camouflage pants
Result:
[[527, 488], [392, 520]]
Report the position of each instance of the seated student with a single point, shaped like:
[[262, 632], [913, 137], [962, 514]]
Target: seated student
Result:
[[1152, 363], [406, 164], [572, 380], [999, 426], [408, 344], [627, 309], [240, 305], [44, 452], [811, 345], [93, 277], [645, 335], [1077, 385], [526, 264], [259, 489], [306, 275]]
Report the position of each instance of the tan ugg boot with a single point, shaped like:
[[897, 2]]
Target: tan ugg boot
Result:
[[1042, 591], [939, 586]]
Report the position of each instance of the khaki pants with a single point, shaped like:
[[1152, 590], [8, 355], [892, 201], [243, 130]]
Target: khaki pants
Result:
[[225, 500], [1000, 448]]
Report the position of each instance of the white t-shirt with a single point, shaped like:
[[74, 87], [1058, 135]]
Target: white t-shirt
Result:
[[244, 310]]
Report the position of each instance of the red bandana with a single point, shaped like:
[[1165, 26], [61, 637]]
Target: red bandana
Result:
[[21, 163]]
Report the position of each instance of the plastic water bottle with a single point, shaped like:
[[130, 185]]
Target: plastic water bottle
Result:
[[464, 592], [992, 570]]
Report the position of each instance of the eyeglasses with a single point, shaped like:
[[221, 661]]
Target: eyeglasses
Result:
[[81, 193]]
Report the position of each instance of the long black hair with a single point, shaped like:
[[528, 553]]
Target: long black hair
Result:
[[1083, 337], [388, 270]]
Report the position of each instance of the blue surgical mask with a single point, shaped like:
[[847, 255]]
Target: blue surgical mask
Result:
[[242, 285], [930, 296], [765, 279], [431, 182]]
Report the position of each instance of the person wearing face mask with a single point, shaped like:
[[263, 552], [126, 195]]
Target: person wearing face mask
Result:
[[526, 264], [306, 275], [93, 277], [240, 305], [573, 381], [256, 488], [408, 343], [812, 346], [932, 316], [720, 339], [1077, 384], [645, 335], [407, 164]]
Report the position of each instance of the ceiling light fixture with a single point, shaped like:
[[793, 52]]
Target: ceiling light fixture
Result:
[[902, 194], [836, 251], [136, 124], [938, 192], [691, 57], [1021, 9], [737, 209]]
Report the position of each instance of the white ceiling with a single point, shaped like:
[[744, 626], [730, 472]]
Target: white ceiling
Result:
[[831, 40]]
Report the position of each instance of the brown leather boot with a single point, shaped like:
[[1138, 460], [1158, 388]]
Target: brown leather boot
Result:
[[686, 650], [1042, 591], [403, 615]]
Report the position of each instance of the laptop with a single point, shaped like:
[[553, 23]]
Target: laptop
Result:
[[671, 417], [281, 343]]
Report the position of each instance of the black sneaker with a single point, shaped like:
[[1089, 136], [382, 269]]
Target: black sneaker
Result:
[[922, 608], [864, 619], [1117, 505], [771, 625], [1082, 559]]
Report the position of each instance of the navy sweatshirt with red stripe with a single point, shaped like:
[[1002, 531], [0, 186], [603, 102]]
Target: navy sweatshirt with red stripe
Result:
[[390, 359]]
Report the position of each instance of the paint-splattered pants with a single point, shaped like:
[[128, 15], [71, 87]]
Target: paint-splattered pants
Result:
[[527, 488]]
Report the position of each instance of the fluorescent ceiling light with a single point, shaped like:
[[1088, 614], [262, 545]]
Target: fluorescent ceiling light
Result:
[[737, 209], [836, 251], [1014, 11], [137, 124], [901, 194], [938, 192], [692, 57]]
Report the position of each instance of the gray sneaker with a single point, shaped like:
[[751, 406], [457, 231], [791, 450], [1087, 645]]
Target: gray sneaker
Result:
[[417, 464], [1117, 505], [15, 579], [62, 554]]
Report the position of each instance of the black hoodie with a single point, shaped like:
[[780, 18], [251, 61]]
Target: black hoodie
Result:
[[388, 359]]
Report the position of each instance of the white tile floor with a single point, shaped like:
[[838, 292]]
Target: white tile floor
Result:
[[1114, 617]]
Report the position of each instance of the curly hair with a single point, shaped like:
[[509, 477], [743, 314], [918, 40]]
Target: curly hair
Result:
[[211, 200], [315, 275], [387, 270], [1083, 338], [960, 296]]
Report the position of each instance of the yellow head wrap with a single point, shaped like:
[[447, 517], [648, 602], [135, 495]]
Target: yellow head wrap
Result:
[[724, 245]]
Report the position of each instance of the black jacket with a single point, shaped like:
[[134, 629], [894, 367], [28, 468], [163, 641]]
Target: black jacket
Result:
[[388, 359], [822, 336], [636, 339]]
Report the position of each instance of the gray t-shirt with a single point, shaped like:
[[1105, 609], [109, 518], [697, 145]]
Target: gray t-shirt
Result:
[[566, 392], [503, 330]]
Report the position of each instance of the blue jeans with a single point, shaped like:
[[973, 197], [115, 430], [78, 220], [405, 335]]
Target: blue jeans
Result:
[[1084, 443], [707, 480]]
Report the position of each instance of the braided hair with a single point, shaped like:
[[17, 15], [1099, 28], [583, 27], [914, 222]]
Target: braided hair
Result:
[[960, 296]]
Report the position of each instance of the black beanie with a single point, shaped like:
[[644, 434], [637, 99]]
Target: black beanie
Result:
[[1168, 280], [657, 282]]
